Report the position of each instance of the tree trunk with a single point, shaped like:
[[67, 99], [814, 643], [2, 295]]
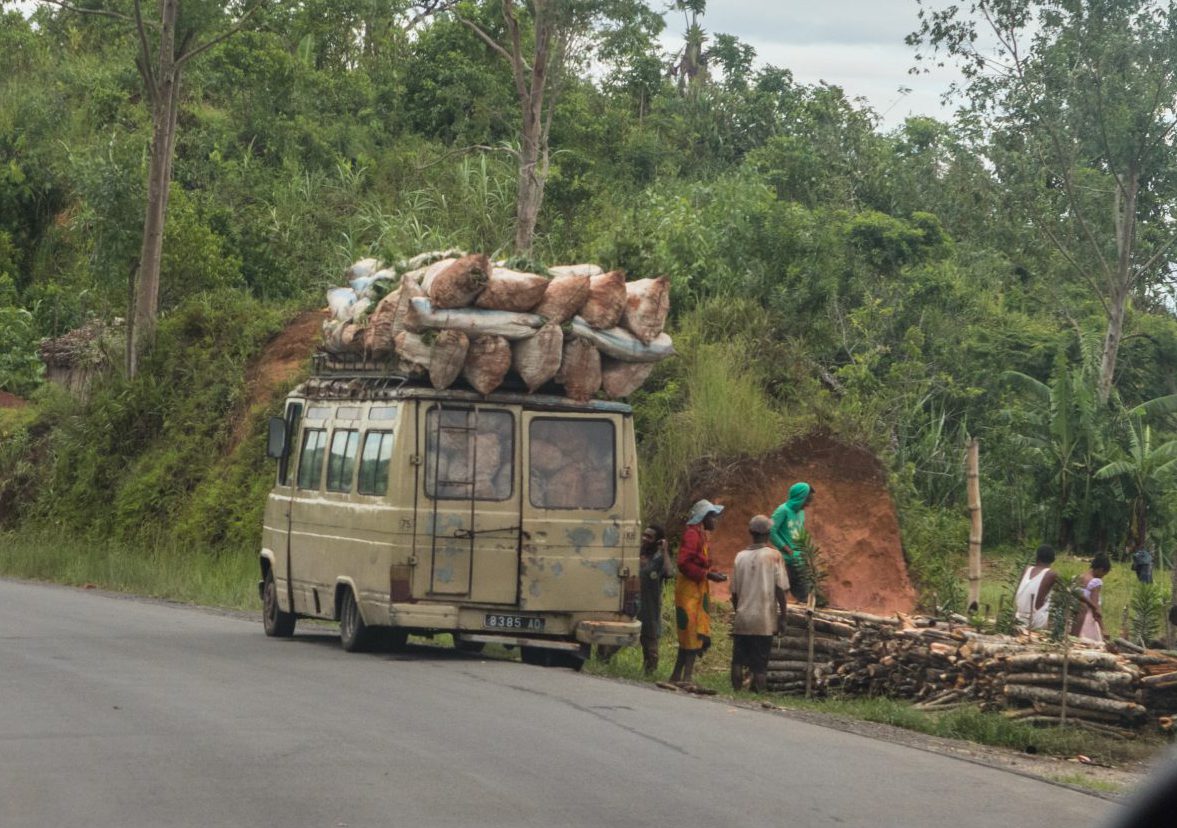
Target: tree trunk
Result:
[[165, 99], [975, 526], [1124, 214], [530, 194]]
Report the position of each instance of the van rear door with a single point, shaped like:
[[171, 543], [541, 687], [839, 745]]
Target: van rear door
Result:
[[468, 502], [573, 512]]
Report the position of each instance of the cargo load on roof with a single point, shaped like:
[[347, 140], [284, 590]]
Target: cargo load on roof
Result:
[[441, 316]]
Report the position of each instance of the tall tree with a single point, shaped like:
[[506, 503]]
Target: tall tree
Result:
[[165, 46], [1079, 101], [1148, 465], [543, 41]]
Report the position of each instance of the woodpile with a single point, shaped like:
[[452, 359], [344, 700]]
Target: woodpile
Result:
[[942, 665]]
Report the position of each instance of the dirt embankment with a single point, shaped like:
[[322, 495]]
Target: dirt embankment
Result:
[[852, 518], [281, 361], [11, 400]]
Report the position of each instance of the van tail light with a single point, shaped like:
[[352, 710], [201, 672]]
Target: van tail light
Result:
[[400, 584], [630, 596]]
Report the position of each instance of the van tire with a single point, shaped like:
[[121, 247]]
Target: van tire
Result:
[[354, 634], [275, 622]]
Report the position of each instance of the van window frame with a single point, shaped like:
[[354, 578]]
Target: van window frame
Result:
[[429, 461], [306, 433], [612, 475], [369, 434], [345, 485], [294, 411]]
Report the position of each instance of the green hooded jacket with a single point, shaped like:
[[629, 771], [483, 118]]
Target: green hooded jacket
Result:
[[789, 519]]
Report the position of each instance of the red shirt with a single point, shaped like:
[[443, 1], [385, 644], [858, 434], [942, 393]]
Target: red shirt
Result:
[[693, 558]]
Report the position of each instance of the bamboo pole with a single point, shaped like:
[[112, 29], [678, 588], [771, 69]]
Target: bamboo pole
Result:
[[809, 659], [975, 526]]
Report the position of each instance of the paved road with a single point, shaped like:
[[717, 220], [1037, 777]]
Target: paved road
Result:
[[118, 712]]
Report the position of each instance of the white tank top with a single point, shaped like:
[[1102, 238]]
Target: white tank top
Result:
[[1027, 596]]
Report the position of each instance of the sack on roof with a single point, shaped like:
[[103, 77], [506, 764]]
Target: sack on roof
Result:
[[646, 305], [459, 284], [606, 300], [487, 361], [563, 299], [511, 290], [580, 370], [537, 359]]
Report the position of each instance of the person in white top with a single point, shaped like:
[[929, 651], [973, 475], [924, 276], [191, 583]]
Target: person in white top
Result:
[[759, 583], [1032, 600]]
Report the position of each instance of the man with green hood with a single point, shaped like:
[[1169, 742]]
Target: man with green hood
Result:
[[787, 522]]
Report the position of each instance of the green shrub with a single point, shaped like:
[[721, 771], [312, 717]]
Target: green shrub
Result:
[[20, 367]]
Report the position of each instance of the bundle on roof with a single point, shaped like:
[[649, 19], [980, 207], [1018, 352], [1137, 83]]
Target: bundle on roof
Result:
[[448, 313]]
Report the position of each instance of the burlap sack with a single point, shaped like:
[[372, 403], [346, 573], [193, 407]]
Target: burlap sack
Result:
[[460, 283], [646, 305], [362, 269], [606, 301], [342, 337], [487, 361], [447, 358], [576, 270], [427, 274], [563, 299], [537, 359], [410, 347], [620, 379], [580, 370], [390, 318], [510, 290]]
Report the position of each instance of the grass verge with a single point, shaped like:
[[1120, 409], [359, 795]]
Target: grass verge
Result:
[[165, 570]]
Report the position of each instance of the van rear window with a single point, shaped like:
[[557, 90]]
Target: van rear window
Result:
[[310, 463], [469, 454], [373, 477], [572, 464]]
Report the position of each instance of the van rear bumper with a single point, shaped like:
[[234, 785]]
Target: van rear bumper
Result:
[[609, 633]]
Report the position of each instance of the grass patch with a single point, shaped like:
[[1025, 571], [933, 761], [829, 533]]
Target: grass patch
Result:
[[1081, 781], [164, 570]]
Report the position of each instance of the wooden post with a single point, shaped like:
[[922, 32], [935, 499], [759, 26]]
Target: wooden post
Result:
[[809, 659], [974, 495], [1066, 664]]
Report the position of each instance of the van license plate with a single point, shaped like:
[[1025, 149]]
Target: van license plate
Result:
[[495, 621]]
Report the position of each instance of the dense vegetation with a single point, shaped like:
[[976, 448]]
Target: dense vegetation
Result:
[[905, 287]]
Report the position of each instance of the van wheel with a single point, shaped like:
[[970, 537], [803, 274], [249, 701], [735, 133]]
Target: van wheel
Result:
[[353, 632], [275, 622]]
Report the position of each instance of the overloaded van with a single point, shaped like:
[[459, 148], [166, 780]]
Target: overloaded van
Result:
[[510, 518]]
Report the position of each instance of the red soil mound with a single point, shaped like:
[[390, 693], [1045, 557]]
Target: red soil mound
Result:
[[11, 400], [281, 361], [852, 518]]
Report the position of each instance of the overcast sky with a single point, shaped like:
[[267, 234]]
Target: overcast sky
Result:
[[855, 44]]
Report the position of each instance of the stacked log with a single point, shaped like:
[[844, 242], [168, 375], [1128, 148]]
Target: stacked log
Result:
[[941, 666], [806, 653]]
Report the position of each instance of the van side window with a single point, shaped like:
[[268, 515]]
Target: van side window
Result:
[[374, 463], [293, 414], [310, 463], [469, 454], [572, 464], [341, 462]]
